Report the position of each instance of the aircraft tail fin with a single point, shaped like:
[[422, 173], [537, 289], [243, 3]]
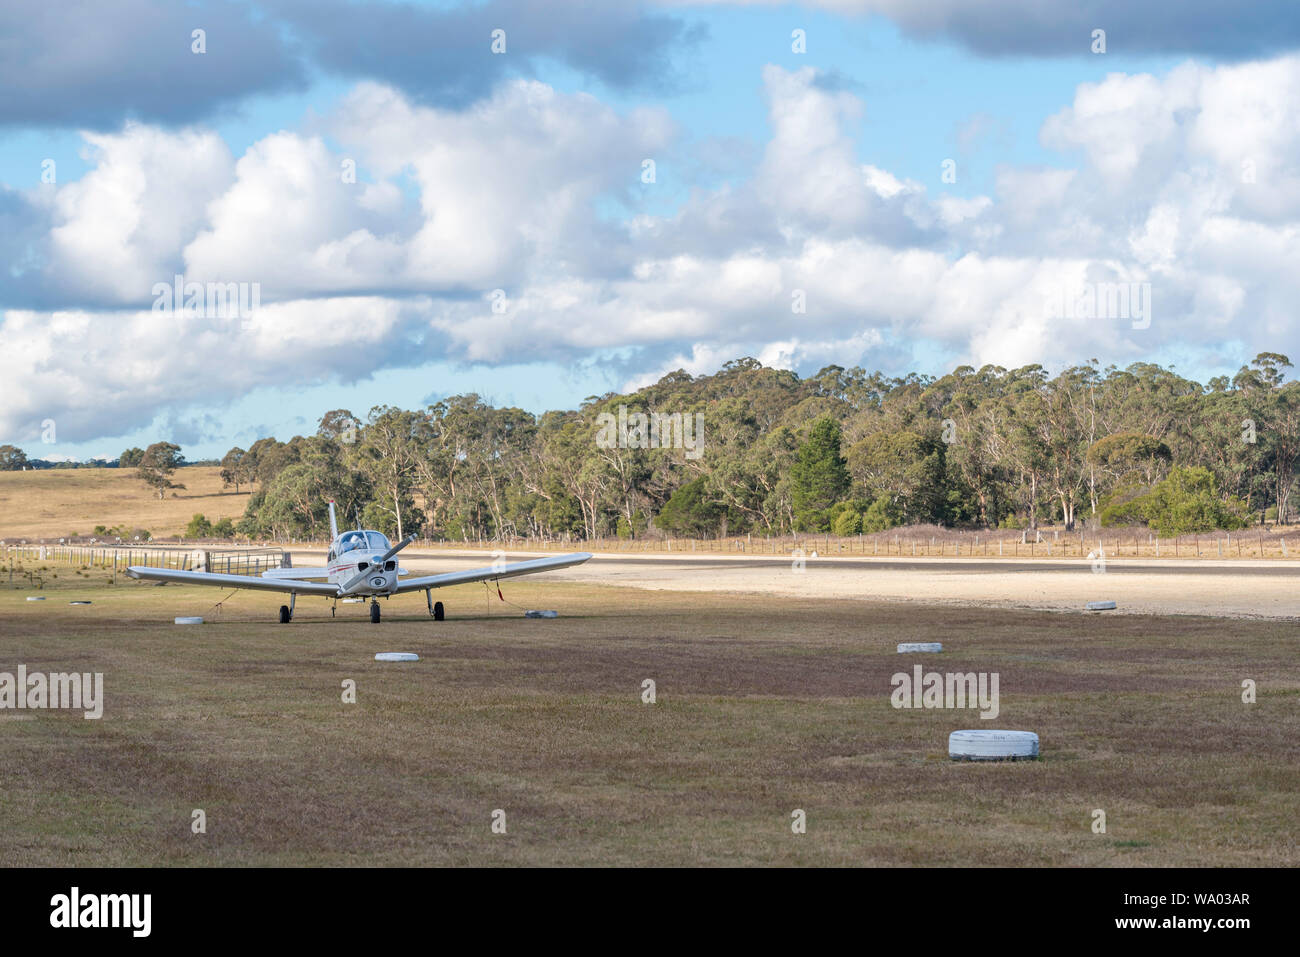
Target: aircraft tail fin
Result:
[[334, 524]]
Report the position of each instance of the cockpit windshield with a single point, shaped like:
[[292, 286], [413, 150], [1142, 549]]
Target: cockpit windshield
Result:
[[373, 541]]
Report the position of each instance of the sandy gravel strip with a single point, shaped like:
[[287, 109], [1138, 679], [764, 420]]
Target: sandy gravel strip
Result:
[[1240, 589]]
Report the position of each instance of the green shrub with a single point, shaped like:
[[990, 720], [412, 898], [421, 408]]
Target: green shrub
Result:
[[847, 523], [882, 514], [1188, 500], [199, 527], [690, 512]]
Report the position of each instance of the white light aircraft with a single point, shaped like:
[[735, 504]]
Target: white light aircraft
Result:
[[362, 564]]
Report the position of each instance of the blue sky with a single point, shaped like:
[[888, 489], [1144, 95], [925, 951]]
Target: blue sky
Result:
[[775, 172]]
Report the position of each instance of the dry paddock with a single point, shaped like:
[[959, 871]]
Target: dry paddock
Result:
[[768, 700]]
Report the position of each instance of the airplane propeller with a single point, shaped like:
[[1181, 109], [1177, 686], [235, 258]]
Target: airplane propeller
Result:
[[363, 575]]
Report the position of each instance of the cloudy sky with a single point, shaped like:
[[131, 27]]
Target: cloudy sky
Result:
[[623, 190]]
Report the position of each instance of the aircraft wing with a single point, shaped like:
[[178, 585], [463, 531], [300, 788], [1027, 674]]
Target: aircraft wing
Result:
[[300, 574], [492, 573], [233, 581]]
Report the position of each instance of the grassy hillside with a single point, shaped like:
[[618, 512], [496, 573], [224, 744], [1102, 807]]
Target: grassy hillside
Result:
[[53, 503]]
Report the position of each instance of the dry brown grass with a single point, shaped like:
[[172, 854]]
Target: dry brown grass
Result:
[[56, 503], [764, 706]]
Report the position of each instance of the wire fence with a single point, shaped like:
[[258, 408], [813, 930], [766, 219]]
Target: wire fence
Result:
[[945, 543], [228, 561]]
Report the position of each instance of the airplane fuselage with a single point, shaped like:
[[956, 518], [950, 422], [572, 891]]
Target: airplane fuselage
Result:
[[355, 552]]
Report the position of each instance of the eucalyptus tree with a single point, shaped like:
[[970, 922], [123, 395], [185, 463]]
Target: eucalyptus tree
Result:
[[387, 452]]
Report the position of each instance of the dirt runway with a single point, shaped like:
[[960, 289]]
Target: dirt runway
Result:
[[1227, 589]]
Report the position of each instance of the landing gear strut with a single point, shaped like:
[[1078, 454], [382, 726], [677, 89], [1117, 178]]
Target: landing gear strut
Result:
[[286, 611], [435, 607], [374, 612]]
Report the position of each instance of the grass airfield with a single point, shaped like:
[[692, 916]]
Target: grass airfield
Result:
[[764, 705]]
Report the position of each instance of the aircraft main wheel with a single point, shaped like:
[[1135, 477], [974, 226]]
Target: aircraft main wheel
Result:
[[284, 614], [374, 612], [438, 614]]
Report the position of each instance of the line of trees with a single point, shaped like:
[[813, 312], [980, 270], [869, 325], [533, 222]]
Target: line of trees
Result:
[[843, 451], [14, 459]]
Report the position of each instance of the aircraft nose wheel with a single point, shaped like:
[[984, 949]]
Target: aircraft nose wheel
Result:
[[374, 612]]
